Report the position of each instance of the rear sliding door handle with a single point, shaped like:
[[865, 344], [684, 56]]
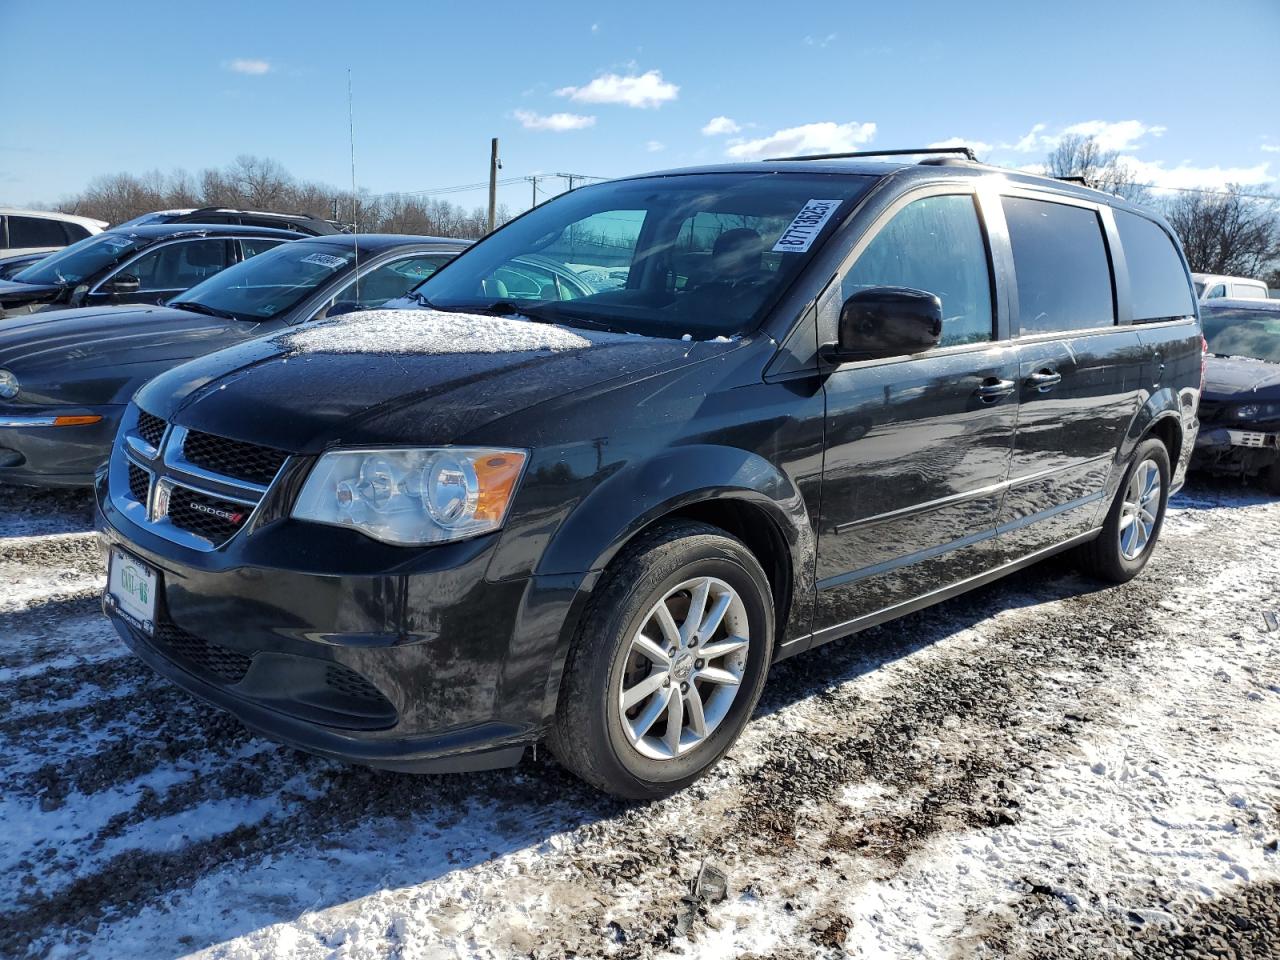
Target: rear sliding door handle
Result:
[[993, 389], [1044, 380]]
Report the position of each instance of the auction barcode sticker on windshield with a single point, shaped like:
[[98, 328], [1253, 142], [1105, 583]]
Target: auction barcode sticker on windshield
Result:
[[799, 236], [324, 260]]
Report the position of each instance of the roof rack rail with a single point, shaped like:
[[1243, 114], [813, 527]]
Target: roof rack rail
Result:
[[272, 213], [967, 151], [1074, 178]]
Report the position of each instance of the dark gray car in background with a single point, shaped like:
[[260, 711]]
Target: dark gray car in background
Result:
[[66, 376]]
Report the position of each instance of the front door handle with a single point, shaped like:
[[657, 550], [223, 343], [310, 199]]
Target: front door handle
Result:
[[1044, 380], [994, 389]]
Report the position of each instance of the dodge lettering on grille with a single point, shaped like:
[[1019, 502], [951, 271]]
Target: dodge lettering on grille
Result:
[[227, 515]]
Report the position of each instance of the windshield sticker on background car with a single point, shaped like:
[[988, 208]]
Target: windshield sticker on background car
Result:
[[799, 235], [118, 242], [324, 260]]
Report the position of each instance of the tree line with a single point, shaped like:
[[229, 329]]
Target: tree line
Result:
[[259, 183], [1235, 231]]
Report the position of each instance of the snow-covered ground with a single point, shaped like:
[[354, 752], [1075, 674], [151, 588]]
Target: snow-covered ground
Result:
[[1042, 768]]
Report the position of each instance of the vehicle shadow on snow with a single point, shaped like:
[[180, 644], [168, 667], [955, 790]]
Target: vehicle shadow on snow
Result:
[[1207, 492], [31, 512]]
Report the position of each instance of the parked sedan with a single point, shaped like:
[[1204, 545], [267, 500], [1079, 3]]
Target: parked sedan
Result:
[[65, 376], [148, 264], [1240, 407]]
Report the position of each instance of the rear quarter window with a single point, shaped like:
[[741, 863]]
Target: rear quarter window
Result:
[[1062, 266], [1157, 281]]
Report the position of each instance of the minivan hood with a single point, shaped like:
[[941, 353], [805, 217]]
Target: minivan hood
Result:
[[440, 376], [14, 294], [1242, 378], [93, 337]]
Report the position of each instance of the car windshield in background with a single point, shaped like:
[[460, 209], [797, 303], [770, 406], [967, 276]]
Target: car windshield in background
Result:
[[272, 282], [1243, 333], [699, 254], [161, 216], [82, 259]]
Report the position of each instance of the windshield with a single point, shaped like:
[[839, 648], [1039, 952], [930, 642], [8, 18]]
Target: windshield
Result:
[[1240, 332], [699, 254], [160, 216], [82, 259], [272, 282]]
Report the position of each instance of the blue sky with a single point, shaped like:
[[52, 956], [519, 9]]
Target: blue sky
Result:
[[1188, 90]]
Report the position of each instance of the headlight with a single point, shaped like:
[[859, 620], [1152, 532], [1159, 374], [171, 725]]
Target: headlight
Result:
[[1258, 411], [419, 496], [9, 385]]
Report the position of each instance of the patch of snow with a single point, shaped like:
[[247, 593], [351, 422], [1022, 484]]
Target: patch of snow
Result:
[[434, 332]]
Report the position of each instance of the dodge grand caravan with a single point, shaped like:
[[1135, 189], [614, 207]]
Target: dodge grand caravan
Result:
[[804, 398]]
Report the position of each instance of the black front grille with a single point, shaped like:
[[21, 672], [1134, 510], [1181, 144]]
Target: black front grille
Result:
[[139, 483], [150, 428], [347, 682], [233, 458], [212, 518], [227, 665]]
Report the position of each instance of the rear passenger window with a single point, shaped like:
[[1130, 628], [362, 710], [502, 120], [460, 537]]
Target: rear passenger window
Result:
[[1064, 274], [1157, 281], [35, 232], [935, 245], [74, 231]]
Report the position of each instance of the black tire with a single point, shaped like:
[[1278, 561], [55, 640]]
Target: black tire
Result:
[[587, 734], [1102, 557], [1271, 479]]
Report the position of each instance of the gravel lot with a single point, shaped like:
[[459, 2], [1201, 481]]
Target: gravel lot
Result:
[[1042, 768]]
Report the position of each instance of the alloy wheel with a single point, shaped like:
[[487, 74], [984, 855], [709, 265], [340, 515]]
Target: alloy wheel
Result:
[[1140, 509], [684, 668]]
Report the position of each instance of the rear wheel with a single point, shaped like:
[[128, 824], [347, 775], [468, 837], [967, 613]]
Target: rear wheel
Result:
[[1135, 519], [669, 663]]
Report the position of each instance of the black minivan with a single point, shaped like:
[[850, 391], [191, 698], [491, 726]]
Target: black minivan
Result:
[[795, 400]]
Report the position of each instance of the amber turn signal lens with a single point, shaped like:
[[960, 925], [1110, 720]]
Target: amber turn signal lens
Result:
[[496, 474], [75, 421]]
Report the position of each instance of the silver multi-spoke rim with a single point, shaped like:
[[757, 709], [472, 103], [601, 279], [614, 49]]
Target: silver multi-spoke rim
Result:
[[1140, 508], [684, 668]]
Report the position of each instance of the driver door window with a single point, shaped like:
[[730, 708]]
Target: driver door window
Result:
[[934, 244], [177, 266]]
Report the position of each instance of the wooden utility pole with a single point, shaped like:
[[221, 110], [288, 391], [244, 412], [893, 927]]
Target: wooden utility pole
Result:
[[493, 183]]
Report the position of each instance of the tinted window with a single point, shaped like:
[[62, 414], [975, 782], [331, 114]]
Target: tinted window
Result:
[[251, 247], [936, 245], [630, 244], [35, 232], [177, 266], [74, 231], [1064, 275], [1157, 282]]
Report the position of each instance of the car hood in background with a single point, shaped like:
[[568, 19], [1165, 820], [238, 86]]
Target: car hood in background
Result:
[[432, 381], [14, 294], [1241, 378], [93, 337]]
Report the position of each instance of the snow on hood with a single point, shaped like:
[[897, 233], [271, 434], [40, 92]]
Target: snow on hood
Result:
[[434, 332]]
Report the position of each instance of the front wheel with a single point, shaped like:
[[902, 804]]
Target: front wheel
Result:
[[669, 663], [1135, 519]]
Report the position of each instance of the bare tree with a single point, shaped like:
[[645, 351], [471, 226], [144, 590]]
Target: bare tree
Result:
[[1079, 156], [1227, 233]]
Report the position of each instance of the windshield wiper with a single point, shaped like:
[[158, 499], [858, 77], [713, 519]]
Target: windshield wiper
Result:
[[544, 311], [195, 307], [416, 296]]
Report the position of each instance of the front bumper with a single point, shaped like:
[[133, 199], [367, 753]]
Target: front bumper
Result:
[[325, 640], [1237, 450], [34, 452]]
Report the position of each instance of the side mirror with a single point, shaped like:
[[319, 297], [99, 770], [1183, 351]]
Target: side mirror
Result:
[[886, 322], [122, 283]]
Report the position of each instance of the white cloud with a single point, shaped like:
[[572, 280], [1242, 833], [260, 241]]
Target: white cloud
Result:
[[1028, 142], [637, 90], [655, 146], [1271, 147], [1121, 135], [719, 126], [819, 41], [1185, 176], [977, 145], [595, 28], [555, 122], [253, 68], [825, 137]]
